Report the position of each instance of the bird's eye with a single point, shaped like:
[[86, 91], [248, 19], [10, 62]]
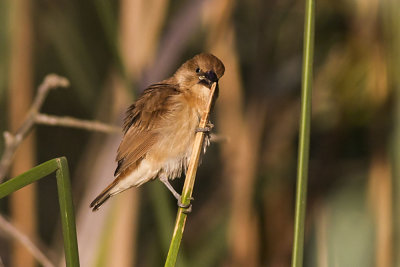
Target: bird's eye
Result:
[[198, 70]]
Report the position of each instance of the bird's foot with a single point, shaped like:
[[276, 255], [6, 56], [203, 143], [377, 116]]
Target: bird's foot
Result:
[[206, 129], [187, 208]]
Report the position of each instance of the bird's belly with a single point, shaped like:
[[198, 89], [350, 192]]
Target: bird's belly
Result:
[[175, 146]]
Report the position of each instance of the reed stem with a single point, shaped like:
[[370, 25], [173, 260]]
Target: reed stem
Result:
[[304, 136], [188, 186]]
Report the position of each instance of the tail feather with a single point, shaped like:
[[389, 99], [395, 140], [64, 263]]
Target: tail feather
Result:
[[103, 196], [121, 183]]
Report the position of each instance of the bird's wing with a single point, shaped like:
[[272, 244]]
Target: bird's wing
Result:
[[141, 124]]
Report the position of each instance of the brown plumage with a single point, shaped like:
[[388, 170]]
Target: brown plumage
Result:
[[160, 127]]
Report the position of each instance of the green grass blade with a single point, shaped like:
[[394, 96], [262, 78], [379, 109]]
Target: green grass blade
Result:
[[28, 177], [67, 213], [60, 166], [304, 138], [391, 26]]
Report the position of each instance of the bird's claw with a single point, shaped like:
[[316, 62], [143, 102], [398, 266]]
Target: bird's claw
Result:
[[187, 208], [206, 129]]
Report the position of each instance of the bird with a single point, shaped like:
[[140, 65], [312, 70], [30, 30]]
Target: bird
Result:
[[160, 126]]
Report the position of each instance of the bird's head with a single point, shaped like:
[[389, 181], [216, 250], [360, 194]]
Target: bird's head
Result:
[[203, 69]]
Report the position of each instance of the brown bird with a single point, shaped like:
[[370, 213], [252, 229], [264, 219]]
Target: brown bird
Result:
[[159, 128]]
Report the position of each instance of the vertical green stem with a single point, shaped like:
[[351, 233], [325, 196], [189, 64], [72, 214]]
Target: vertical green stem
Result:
[[391, 26], [188, 186], [67, 213], [304, 138]]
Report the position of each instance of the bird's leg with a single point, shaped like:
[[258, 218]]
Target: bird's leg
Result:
[[170, 188], [176, 194], [206, 129]]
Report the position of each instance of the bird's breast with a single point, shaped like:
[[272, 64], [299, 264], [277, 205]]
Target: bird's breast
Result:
[[176, 132], [175, 142]]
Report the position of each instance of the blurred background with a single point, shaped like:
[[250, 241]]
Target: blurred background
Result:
[[244, 193]]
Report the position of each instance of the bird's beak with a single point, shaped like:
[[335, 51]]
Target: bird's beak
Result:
[[208, 78], [211, 76]]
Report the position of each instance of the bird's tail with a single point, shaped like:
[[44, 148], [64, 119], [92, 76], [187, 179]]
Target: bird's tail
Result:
[[103, 196]]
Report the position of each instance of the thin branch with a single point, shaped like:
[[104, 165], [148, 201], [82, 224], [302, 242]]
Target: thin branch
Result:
[[76, 123], [13, 232], [51, 81], [12, 142], [188, 186]]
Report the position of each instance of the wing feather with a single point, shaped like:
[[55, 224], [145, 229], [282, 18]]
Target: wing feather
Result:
[[141, 124]]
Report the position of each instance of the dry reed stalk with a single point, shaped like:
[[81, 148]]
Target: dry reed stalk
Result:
[[181, 28], [23, 202], [139, 37], [380, 201], [114, 236], [322, 226], [97, 165], [240, 155], [140, 22]]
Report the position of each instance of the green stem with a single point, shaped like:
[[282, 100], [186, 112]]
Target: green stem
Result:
[[188, 186], [391, 27], [304, 138], [67, 213], [60, 166]]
